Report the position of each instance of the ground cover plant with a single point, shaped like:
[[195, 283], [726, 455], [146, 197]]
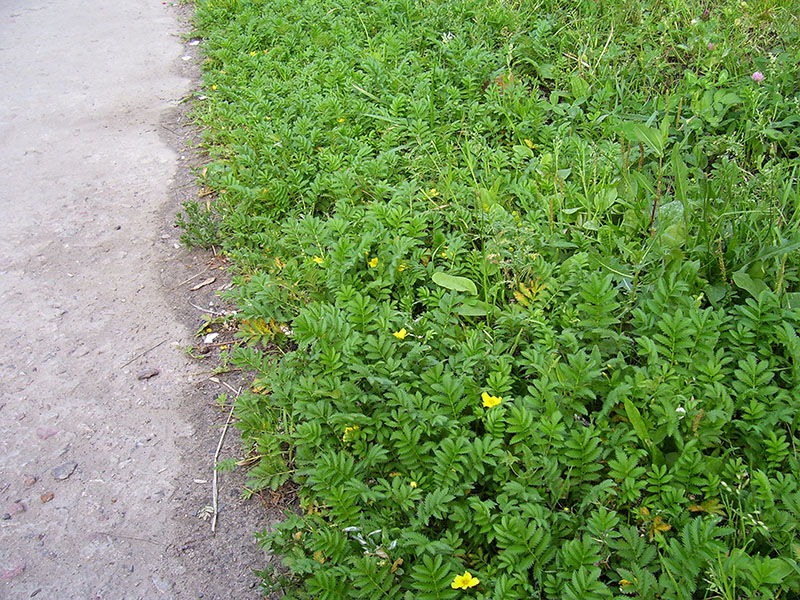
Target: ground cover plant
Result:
[[519, 284]]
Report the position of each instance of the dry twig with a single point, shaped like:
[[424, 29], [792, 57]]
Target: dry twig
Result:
[[138, 356], [208, 310], [214, 484], [195, 276]]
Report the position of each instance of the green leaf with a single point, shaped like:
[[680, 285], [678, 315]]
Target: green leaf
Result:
[[635, 417], [639, 426], [579, 86], [454, 282], [649, 136], [785, 247], [779, 569], [753, 286], [681, 175], [546, 71], [727, 99], [472, 308]]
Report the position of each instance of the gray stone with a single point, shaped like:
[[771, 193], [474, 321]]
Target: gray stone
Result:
[[62, 472], [45, 432], [147, 374]]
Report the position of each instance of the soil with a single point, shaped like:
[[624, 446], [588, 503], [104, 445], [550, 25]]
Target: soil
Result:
[[108, 428]]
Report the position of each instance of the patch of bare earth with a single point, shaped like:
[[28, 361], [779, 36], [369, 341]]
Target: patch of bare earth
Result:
[[108, 429]]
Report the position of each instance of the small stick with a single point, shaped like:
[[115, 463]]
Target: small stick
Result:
[[138, 356], [129, 537], [602, 54], [208, 310], [214, 486], [227, 385], [203, 284], [214, 371], [218, 344], [195, 276]]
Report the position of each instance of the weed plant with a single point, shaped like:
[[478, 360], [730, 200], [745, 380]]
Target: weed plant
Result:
[[532, 270]]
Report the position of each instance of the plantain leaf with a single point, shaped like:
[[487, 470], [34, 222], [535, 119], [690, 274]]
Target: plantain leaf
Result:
[[649, 136], [472, 308], [749, 284], [454, 282]]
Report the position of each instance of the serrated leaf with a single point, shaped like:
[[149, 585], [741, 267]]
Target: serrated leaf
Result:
[[710, 506], [658, 525]]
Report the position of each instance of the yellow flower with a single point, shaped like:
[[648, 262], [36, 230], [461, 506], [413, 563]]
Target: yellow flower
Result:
[[348, 433], [341, 120], [528, 143], [400, 335], [462, 582], [252, 53], [433, 192], [374, 262], [318, 260], [401, 268], [413, 484], [624, 583], [490, 401], [213, 87]]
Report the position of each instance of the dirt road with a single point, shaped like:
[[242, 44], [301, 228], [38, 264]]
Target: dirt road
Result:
[[106, 439]]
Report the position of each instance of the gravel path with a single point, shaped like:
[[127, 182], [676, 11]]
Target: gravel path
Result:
[[104, 457]]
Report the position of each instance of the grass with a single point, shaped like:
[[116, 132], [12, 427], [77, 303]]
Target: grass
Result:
[[519, 286]]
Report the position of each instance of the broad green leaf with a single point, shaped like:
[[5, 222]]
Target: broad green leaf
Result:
[[672, 223], [674, 236], [635, 417], [649, 136], [779, 569], [473, 308], [591, 226], [727, 98], [454, 282], [753, 286], [716, 293], [604, 198], [644, 180], [579, 86]]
